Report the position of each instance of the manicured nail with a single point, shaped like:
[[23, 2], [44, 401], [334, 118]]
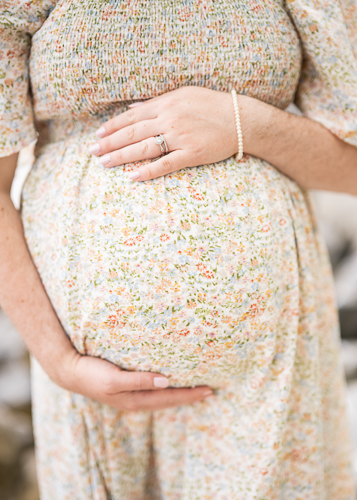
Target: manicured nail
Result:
[[134, 175], [104, 160], [161, 382], [94, 149], [101, 132], [208, 393], [135, 104]]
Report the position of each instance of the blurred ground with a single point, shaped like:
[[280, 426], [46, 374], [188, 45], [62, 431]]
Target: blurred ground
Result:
[[17, 460], [338, 221]]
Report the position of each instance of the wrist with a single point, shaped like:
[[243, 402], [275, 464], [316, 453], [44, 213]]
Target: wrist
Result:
[[61, 367], [256, 118]]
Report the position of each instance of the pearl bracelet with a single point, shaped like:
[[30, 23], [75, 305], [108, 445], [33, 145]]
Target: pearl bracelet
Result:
[[239, 155]]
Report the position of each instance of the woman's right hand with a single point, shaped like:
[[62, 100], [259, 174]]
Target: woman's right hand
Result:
[[25, 301], [127, 391]]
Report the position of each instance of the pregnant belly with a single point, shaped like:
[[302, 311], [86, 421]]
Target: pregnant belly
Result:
[[188, 275]]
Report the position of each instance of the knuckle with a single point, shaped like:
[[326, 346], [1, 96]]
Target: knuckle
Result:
[[144, 147], [130, 115], [139, 383], [166, 165], [130, 132]]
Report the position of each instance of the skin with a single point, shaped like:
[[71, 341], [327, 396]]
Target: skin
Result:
[[25, 301], [199, 127]]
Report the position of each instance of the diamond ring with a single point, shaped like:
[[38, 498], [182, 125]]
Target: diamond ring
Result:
[[160, 140]]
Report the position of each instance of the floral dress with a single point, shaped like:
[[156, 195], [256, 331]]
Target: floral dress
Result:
[[211, 275]]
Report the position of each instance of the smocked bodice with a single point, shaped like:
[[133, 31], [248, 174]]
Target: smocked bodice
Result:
[[106, 52]]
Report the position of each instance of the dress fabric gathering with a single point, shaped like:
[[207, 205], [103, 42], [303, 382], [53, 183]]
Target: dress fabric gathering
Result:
[[211, 275]]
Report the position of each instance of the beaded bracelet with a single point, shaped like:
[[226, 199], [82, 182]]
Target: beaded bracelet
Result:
[[239, 155]]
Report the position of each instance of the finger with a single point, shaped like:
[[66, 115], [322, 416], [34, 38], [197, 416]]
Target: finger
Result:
[[146, 111], [126, 136], [140, 151], [165, 165], [166, 398], [124, 381]]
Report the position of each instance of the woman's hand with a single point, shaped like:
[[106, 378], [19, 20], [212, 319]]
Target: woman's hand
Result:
[[127, 391], [198, 125], [24, 299]]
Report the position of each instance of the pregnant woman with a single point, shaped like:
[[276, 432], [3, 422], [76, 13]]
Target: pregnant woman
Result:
[[156, 279]]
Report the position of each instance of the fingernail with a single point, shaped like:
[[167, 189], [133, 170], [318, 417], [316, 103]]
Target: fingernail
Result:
[[104, 160], [134, 175], [208, 393], [161, 382], [135, 104], [101, 132], [94, 148]]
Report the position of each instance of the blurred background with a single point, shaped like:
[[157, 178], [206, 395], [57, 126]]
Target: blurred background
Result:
[[337, 217]]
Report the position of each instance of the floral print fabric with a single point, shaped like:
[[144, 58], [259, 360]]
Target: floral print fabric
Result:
[[328, 83], [212, 275]]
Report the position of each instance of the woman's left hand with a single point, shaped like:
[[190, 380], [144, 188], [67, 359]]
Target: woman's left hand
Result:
[[198, 125]]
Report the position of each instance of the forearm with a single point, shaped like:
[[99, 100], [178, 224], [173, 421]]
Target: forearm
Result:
[[22, 295], [299, 147]]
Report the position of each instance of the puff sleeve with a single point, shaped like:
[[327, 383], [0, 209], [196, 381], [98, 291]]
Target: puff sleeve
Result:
[[19, 20], [327, 90]]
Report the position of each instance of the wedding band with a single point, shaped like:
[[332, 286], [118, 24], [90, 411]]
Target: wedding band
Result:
[[160, 140]]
